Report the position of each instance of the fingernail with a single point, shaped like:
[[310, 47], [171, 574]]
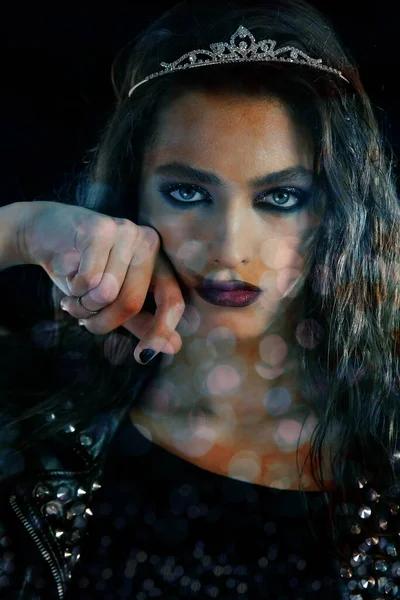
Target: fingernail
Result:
[[146, 355], [63, 307]]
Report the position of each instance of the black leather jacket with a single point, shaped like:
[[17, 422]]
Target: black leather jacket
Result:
[[45, 509]]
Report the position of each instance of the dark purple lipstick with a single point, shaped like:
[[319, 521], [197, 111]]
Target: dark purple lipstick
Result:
[[228, 293]]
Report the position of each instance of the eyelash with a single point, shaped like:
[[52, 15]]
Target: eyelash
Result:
[[301, 195]]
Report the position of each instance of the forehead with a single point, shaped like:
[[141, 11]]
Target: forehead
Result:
[[222, 129]]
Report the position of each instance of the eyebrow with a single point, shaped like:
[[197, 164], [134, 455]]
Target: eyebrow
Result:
[[184, 170]]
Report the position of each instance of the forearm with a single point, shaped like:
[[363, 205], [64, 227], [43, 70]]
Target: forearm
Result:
[[12, 217]]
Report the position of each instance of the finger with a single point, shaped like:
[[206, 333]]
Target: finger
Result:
[[130, 251], [170, 308], [141, 324], [95, 250], [132, 294]]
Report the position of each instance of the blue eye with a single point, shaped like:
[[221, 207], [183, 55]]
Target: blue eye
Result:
[[282, 197], [184, 193]]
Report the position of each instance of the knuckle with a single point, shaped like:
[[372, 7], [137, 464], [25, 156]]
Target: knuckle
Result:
[[126, 223], [127, 227], [159, 334], [133, 304], [179, 306], [152, 236], [105, 295], [92, 279], [107, 291], [174, 302], [89, 280], [105, 227]]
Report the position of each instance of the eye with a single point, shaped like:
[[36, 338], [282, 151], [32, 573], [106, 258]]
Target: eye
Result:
[[284, 197], [185, 194]]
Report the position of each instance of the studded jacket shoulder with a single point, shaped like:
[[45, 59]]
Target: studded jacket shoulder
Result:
[[45, 508]]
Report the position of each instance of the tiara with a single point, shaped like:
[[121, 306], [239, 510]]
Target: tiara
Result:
[[263, 51]]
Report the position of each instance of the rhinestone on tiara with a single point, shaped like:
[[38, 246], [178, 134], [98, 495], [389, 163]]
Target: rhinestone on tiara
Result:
[[263, 51]]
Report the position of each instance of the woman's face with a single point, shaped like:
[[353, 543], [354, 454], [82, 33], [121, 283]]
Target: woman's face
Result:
[[226, 186]]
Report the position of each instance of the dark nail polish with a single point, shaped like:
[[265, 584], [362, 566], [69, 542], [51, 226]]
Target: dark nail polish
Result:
[[146, 355]]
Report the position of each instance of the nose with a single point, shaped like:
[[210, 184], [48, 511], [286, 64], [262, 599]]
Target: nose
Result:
[[231, 236]]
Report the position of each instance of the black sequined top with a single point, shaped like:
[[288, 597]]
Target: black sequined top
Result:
[[163, 527]]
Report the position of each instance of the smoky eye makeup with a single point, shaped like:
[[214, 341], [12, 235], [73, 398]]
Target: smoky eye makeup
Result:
[[279, 199]]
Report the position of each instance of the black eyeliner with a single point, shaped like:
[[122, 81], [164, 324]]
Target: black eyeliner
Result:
[[303, 197]]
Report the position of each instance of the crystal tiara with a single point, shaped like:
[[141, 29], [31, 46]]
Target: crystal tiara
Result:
[[263, 51]]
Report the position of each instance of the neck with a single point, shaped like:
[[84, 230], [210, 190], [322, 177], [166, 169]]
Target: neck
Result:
[[240, 383]]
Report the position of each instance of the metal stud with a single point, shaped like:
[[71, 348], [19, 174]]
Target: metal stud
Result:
[[59, 533], [394, 509], [362, 482], [81, 492], [358, 557], [75, 536], [53, 509], [391, 587], [391, 550], [372, 541], [382, 581], [69, 429], [80, 522], [42, 491], [346, 572], [396, 456], [355, 528], [73, 558], [85, 440], [77, 508], [365, 512], [381, 566], [367, 583], [382, 523], [63, 493], [372, 495], [95, 486]]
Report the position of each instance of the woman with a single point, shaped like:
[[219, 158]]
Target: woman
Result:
[[255, 454]]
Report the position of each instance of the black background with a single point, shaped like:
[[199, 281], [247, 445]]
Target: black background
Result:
[[56, 87]]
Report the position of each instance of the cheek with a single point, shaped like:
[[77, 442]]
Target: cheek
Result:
[[284, 246], [280, 253], [182, 245]]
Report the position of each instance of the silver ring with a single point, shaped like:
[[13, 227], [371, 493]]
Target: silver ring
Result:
[[93, 312]]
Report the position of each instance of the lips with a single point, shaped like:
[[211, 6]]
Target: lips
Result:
[[228, 286]]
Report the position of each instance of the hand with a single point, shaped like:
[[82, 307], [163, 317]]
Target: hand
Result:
[[112, 263]]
